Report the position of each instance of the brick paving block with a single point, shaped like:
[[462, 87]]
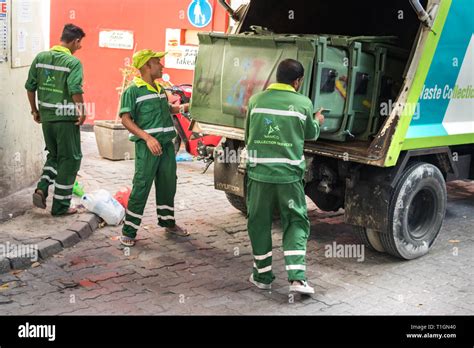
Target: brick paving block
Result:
[[21, 261], [48, 248], [4, 265], [81, 228], [91, 219], [5, 300], [67, 238]]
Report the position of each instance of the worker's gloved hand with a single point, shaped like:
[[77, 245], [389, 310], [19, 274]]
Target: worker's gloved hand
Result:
[[319, 116], [154, 146]]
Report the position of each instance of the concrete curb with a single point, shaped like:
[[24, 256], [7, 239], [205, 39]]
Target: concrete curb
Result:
[[79, 230]]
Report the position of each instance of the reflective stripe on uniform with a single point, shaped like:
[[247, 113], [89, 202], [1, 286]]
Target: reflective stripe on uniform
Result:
[[131, 224], [279, 113], [159, 130], [147, 97], [296, 267], [156, 130], [295, 253], [167, 207], [63, 187], [134, 215], [53, 67], [47, 178], [263, 257], [58, 105], [166, 217], [150, 96], [62, 197], [262, 270], [276, 160], [51, 169]]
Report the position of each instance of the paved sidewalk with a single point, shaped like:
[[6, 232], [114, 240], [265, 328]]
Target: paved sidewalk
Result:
[[29, 234], [207, 272]]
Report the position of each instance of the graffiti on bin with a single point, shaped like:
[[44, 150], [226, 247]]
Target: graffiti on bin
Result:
[[244, 88]]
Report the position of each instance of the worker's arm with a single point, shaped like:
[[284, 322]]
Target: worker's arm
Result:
[[74, 84], [179, 109], [247, 121], [34, 109], [31, 86], [78, 100], [151, 142], [313, 125]]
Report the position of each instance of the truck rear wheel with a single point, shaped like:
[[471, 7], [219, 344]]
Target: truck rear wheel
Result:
[[237, 202], [416, 211], [370, 238]]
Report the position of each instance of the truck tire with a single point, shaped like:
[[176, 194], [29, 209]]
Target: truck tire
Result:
[[416, 211], [370, 238], [237, 202]]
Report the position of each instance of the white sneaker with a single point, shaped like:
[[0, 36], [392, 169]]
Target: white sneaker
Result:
[[258, 284], [302, 288]]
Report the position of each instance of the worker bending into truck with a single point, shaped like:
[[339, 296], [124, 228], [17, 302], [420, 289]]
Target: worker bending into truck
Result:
[[278, 122], [146, 113]]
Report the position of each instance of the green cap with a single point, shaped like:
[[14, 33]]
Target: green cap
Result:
[[143, 56]]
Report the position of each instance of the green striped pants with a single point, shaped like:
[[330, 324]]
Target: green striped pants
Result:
[[149, 169], [289, 199], [63, 143]]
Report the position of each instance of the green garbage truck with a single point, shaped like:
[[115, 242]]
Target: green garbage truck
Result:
[[396, 81]]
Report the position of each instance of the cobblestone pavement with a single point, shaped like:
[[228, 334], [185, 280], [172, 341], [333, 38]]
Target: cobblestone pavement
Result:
[[207, 272]]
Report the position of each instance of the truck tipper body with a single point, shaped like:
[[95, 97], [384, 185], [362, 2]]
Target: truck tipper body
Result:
[[396, 81]]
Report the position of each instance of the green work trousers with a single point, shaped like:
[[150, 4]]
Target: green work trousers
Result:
[[149, 168], [289, 199], [63, 143]]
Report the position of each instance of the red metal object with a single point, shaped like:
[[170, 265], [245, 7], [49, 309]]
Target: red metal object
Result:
[[195, 144]]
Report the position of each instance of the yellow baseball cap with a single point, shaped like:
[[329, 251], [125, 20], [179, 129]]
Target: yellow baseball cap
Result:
[[141, 57]]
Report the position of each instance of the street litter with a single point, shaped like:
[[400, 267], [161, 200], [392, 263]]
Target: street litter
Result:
[[104, 205], [123, 195], [78, 189]]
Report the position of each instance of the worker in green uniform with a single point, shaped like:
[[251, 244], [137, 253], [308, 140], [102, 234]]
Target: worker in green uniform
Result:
[[278, 122], [146, 113], [55, 77]]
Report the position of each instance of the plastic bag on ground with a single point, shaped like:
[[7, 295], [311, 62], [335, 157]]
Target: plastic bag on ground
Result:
[[104, 205], [78, 189], [123, 195]]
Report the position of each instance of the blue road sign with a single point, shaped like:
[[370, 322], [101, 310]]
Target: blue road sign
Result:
[[200, 13]]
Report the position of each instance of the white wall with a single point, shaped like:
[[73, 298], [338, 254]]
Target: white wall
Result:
[[21, 140]]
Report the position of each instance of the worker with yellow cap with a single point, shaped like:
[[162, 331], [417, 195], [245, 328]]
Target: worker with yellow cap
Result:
[[146, 113]]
